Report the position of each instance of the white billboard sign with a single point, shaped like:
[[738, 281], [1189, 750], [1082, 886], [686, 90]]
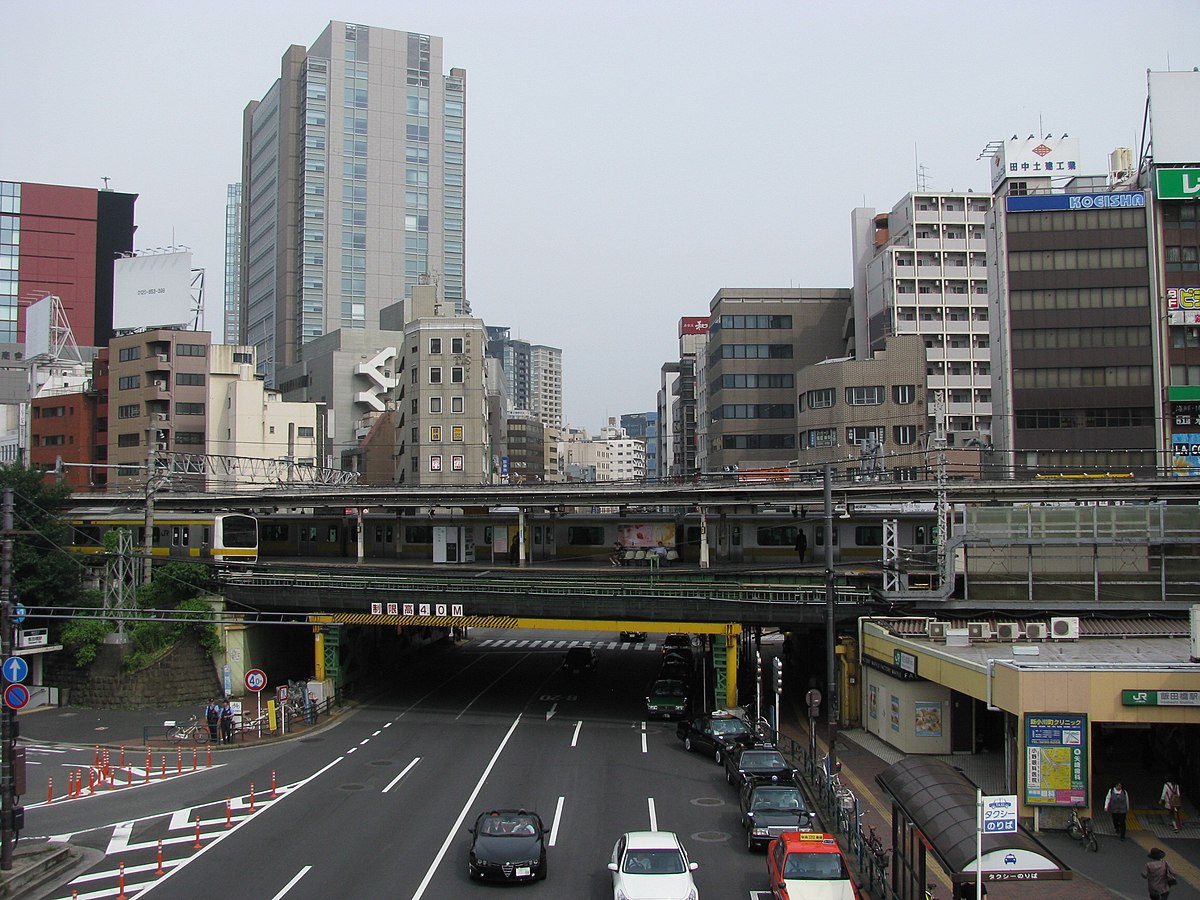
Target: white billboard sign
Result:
[[1174, 126], [38, 319], [152, 289], [1034, 157]]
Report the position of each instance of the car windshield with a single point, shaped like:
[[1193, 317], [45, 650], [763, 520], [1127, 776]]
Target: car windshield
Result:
[[762, 759], [654, 862], [674, 688], [508, 826], [729, 726], [785, 800], [579, 654], [814, 867]]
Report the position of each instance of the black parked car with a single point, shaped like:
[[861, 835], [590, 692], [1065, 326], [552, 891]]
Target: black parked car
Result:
[[508, 845], [709, 733], [580, 661], [768, 810], [761, 762]]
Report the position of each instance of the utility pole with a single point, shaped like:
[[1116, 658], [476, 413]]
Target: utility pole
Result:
[[8, 717], [830, 624], [148, 539]]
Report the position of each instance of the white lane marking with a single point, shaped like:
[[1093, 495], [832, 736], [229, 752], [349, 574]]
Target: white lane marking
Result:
[[351, 750], [364, 741], [575, 734], [653, 814], [557, 819], [120, 838], [377, 733], [453, 833], [287, 887], [226, 833], [387, 724], [520, 660], [550, 712], [392, 783], [645, 749]]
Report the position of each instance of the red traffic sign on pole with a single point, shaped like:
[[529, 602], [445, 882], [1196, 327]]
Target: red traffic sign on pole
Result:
[[256, 680], [16, 696]]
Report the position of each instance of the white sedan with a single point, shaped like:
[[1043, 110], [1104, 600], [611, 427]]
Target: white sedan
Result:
[[652, 864]]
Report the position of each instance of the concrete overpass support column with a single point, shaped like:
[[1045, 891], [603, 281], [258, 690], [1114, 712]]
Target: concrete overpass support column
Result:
[[359, 532], [731, 666]]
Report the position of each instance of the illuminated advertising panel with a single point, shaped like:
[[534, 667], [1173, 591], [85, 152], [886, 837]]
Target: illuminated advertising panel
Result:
[[1183, 305], [1076, 202]]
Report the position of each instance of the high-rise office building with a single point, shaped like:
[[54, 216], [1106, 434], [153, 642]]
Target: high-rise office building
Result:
[[532, 375], [233, 242], [353, 179], [62, 241]]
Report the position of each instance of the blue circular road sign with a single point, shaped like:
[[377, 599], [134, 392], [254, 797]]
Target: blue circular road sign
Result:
[[15, 669], [19, 613]]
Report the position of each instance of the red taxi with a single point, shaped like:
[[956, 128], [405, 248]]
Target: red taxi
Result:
[[809, 866]]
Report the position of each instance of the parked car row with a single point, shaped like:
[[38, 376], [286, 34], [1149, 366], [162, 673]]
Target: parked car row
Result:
[[669, 696]]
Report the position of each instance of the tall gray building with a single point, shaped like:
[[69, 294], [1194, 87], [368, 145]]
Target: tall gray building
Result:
[[233, 242], [353, 173]]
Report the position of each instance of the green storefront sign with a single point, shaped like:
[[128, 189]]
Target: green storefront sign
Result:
[[1177, 184], [1160, 698]]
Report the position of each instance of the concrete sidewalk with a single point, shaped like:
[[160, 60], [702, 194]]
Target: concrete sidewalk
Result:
[[1112, 874]]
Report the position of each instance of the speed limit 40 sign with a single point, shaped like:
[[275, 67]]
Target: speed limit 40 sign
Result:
[[256, 680]]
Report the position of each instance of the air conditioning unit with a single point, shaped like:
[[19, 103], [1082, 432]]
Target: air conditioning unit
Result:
[[935, 629], [1035, 631], [1064, 628], [162, 357], [160, 384], [162, 417], [1008, 631], [979, 631]]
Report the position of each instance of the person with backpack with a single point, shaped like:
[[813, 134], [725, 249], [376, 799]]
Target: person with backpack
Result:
[[1172, 801], [1117, 804], [212, 716]]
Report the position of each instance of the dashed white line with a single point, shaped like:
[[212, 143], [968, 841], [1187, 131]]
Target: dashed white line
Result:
[[287, 887], [557, 818], [653, 814], [575, 734]]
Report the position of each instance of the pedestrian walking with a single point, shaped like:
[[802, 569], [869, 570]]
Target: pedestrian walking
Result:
[[1172, 801], [212, 715], [801, 543], [1159, 877], [226, 723], [1117, 804]]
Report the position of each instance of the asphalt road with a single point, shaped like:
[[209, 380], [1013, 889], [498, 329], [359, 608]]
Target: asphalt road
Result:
[[379, 803]]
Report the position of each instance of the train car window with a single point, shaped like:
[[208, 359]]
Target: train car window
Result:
[[868, 535], [174, 535], [487, 535], [332, 535], [549, 535], [537, 535], [86, 536], [735, 536], [585, 536], [186, 534], [819, 536], [378, 534], [272, 531], [241, 531], [309, 533], [418, 534], [388, 534], [776, 536], [693, 535], [206, 535]]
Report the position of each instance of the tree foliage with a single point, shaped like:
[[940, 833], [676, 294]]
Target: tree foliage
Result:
[[44, 574]]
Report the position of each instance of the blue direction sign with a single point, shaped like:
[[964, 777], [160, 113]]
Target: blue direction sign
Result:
[[16, 669], [16, 696], [19, 613]]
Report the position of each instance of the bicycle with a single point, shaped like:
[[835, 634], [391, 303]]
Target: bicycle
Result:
[[194, 730], [879, 853], [1079, 828]]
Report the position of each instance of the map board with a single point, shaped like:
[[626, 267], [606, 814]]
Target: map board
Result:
[[1056, 763]]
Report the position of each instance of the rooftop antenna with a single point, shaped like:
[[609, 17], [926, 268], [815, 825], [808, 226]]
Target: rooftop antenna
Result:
[[106, 179]]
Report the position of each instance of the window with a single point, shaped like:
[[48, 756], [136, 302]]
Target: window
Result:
[[435, 405], [456, 345], [129, 440], [456, 375], [192, 438], [191, 350], [904, 434], [435, 374], [904, 393], [435, 433], [821, 399], [435, 464], [129, 353], [456, 433], [131, 411], [129, 382], [865, 396], [864, 435], [456, 404], [192, 379], [247, 358], [435, 346], [189, 409], [305, 431]]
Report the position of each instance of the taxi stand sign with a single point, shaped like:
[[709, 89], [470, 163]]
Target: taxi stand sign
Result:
[[996, 815]]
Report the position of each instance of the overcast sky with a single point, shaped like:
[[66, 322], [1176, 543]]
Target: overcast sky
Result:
[[625, 160]]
